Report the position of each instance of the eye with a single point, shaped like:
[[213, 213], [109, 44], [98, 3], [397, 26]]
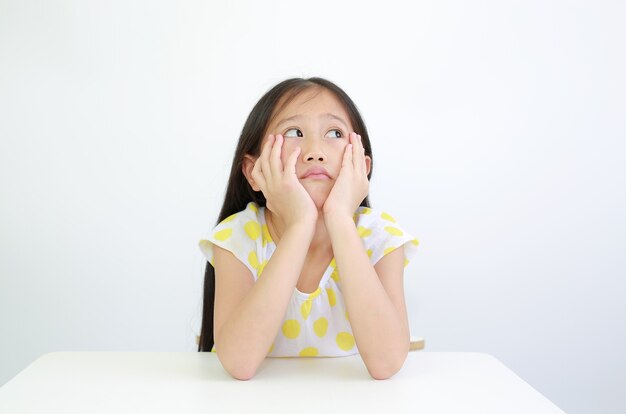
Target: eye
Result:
[[289, 134], [335, 133]]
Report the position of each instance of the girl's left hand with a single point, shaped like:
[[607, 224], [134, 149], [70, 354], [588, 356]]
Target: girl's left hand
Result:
[[352, 185]]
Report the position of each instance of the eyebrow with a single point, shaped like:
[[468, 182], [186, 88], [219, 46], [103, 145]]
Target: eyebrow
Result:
[[326, 115]]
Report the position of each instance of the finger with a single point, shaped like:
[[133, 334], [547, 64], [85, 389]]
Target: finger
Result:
[[347, 157], [265, 157], [257, 175], [359, 155], [276, 164], [290, 166]]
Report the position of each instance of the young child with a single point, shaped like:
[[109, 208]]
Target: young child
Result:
[[299, 265]]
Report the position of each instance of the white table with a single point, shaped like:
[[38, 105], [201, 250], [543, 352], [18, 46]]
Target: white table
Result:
[[135, 382]]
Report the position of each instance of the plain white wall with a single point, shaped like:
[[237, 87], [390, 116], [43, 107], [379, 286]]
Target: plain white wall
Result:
[[498, 131]]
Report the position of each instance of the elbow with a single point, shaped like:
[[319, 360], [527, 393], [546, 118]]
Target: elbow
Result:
[[242, 374], [382, 373], [383, 369], [238, 369]]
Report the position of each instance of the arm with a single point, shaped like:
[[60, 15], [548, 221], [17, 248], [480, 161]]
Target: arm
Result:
[[374, 297], [248, 314]]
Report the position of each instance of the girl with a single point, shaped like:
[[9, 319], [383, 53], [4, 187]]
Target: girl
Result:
[[299, 265]]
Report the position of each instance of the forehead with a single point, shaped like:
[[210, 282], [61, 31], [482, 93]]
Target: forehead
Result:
[[312, 102]]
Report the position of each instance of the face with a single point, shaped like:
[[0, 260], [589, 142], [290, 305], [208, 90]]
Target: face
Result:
[[316, 122]]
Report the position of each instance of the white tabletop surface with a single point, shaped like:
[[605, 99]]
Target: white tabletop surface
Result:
[[144, 382]]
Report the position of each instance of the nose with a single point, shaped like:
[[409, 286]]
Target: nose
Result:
[[313, 153]]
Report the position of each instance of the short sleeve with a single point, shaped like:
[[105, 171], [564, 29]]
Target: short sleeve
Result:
[[382, 234], [240, 235]]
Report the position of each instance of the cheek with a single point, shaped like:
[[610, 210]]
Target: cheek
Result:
[[339, 148]]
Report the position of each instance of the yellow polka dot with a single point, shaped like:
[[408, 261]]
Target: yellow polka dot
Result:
[[387, 217], [366, 210], [320, 327], [345, 341], [305, 309], [415, 242], [363, 232], [223, 234], [309, 352], [253, 260], [369, 253], [406, 262], [230, 218], [291, 328], [253, 229], [271, 349], [333, 264], [347, 317], [389, 250], [267, 238], [253, 207], [332, 299], [335, 276], [393, 231]]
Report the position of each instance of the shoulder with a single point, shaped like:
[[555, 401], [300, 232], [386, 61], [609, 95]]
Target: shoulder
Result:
[[377, 220], [249, 219], [382, 233], [237, 233]]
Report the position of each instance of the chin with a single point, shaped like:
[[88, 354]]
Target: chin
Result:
[[319, 197]]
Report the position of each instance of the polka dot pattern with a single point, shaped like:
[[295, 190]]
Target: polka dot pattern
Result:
[[320, 327], [332, 298], [309, 352], [291, 329], [253, 229], [305, 309], [345, 341], [230, 218], [223, 235], [389, 250], [393, 231], [387, 217], [363, 232], [267, 238], [315, 324]]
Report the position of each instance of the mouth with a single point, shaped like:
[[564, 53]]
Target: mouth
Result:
[[316, 173]]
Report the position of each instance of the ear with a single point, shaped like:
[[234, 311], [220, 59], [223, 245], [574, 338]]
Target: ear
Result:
[[246, 168], [368, 164]]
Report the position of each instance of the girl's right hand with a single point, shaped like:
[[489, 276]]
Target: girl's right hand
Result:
[[285, 195]]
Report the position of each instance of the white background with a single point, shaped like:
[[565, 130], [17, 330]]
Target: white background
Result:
[[498, 131]]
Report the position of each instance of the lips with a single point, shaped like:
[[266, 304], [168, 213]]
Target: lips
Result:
[[316, 173]]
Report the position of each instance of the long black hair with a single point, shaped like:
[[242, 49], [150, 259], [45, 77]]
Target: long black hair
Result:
[[239, 192]]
